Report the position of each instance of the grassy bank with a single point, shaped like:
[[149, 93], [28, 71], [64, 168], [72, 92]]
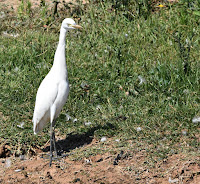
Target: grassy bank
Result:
[[133, 70]]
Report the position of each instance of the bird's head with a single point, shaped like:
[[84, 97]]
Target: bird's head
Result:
[[69, 24]]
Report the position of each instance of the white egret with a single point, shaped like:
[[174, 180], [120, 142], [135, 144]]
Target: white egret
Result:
[[54, 89]]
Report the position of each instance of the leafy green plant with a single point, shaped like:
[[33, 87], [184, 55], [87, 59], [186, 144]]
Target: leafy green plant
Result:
[[24, 9]]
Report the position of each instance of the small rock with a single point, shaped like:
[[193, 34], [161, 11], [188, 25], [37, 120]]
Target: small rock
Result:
[[16, 69], [85, 86], [98, 107], [173, 181], [68, 117], [103, 139], [21, 125], [196, 120], [139, 129], [75, 120], [87, 123], [88, 161]]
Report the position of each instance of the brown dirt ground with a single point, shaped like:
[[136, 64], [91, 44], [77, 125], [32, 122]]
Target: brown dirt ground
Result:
[[130, 166], [15, 3]]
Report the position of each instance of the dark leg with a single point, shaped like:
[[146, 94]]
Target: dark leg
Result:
[[51, 144], [54, 144]]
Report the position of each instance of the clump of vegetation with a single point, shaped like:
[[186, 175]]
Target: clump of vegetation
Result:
[[133, 70]]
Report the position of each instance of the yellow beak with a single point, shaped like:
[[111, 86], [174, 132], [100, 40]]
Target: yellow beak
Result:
[[76, 26]]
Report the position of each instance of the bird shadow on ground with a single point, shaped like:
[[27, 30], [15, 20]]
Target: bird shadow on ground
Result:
[[73, 141]]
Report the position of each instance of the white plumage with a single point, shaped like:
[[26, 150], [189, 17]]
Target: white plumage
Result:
[[54, 89]]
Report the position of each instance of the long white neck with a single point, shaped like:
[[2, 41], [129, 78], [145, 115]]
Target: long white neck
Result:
[[59, 59]]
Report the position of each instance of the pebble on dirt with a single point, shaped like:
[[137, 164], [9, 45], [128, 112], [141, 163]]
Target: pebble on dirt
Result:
[[196, 120], [103, 139]]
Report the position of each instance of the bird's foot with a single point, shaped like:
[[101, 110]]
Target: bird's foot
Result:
[[47, 156]]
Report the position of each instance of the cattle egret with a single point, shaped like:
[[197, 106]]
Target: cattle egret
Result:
[[54, 89]]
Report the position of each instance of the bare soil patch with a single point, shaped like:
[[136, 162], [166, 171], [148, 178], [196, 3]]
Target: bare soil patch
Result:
[[14, 4], [109, 167]]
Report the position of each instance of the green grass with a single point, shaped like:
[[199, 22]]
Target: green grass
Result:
[[109, 54]]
